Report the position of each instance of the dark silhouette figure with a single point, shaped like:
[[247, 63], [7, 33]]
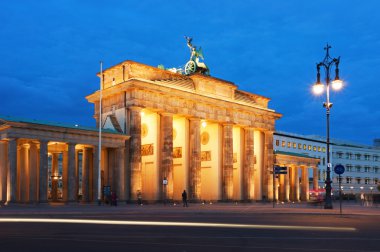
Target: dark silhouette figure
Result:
[[139, 198], [184, 198], [113, 198]]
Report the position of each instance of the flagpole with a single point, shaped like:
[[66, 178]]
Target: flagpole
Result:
[[100, 136]]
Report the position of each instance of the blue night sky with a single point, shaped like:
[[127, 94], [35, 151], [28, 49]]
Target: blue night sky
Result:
[[50, 53]]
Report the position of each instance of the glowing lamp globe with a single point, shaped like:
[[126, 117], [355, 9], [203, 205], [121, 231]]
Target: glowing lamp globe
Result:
[[318, 88], [337, 84]]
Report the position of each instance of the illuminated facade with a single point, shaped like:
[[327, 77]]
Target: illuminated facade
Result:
[[361, 162], [42, 162], [197, 132]]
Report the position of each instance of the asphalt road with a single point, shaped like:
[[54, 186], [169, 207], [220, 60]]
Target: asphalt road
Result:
[[197, 228]]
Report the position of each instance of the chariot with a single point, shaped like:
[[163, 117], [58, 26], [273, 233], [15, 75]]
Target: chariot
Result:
[[194, 65]]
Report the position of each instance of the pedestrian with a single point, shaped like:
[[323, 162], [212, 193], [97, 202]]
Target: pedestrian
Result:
[[184, 198], [139, 197], [362, 199], [113, 198]]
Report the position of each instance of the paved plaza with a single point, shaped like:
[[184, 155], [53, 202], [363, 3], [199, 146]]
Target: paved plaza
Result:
[[199, 227]]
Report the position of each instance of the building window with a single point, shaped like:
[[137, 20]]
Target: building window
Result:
[[277, 142], [283, 144], [294, 145], [340, 155], [323, 161], [314, 148], [367, 157], [375, 169], [348, 180], [289, 144], [358, 180], [367, 169], [375, 158], [357, 156], [304, 146], [319, 148], [309, 147], [349, 155], [299, 146], [375, 180], [323, 149], [366, 181], [358, 168], [349, 168]]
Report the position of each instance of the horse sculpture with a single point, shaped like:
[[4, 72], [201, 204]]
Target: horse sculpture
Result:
[[194, 65]]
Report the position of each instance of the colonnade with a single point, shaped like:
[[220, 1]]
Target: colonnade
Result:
[[252, 187], [31, 171]]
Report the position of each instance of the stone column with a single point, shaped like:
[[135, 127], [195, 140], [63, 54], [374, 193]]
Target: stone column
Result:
[[33, 166], [287, 185], [228, 162], [315, 178], [95, 175], [268, 165], [12, 171], [65, 174], [195, 159], [86, 174], [24, 173], [43, 176], [281, 181], [3, 171], [72, 186], [121, 188], [249, 164], [305, 184], [294, 181], [135, 150], [166, 154], [297, 184]]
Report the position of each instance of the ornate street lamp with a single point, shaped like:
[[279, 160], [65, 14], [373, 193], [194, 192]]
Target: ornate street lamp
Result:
[[319, 88]]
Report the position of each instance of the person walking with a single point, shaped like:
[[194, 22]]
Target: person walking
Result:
[[113, 198], [139, 198], [184, 198]]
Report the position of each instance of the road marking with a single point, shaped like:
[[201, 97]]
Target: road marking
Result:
[[178, 224]]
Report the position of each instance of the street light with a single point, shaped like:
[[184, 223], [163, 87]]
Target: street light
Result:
[[319, 88]]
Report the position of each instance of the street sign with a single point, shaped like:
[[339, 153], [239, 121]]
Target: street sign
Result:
[[339, 169]]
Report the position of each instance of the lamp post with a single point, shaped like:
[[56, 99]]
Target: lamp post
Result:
[[318, 88]]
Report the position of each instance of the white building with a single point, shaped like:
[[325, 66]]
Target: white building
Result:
[[362, 162]]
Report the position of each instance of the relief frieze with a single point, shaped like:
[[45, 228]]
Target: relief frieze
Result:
[[146, 149]]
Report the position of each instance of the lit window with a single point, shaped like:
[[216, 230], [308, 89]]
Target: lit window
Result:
[[314, 148], [277, 142], [289, 144], [304, 146], [323, 149], [309, 147], [283, 144], [319, 148], [299, 146], [294, 145]]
